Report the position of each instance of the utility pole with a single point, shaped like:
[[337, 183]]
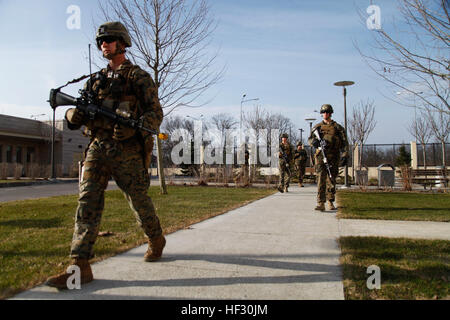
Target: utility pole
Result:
[[344, 84], [301, 135]]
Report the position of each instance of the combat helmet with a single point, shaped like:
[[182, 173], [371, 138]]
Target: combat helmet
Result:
[[284, 135], [113, 29], [299, 144], [326, 108]]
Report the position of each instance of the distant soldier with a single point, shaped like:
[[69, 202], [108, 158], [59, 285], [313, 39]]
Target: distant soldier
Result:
[[300, 157], [336, 144], [284, 163], [243, 176]]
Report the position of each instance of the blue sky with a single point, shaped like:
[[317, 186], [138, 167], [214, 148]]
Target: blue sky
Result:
[[287, 53]]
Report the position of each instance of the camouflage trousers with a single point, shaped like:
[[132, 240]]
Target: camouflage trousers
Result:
[[285, 174], [326, 189], [300, 167], [124, 162]]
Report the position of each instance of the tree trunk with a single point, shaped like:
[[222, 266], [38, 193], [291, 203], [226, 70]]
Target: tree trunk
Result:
[[162, 180], [443, 153], [361, 156], [424, 156]]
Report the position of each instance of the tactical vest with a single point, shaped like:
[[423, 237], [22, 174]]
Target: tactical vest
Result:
[[332, 135], [286, 148], [300, 156], [114, 92]]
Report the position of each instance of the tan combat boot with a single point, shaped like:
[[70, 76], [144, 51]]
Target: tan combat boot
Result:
[[280, 188], [286, 189], [331, 205], [155, 249], [300, 184], [320, 206], [60, 281]]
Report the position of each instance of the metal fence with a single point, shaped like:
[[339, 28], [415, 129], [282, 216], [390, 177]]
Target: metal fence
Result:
[[372, 154], [433, 154], [375, 154]]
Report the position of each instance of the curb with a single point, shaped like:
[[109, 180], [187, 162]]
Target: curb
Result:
[[32, 183]]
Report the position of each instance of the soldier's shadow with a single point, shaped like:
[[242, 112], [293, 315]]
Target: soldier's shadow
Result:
[[308, 272]]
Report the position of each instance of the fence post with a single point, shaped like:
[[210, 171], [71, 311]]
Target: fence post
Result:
[[393, 154], [434, 155], [414, 162]]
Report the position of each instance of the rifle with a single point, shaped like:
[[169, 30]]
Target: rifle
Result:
[[322, 145], [284, 155], [86, 105]]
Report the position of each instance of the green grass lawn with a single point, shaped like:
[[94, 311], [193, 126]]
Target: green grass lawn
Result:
[[15, 180], [410, 269], [394, 205], [35, 235]]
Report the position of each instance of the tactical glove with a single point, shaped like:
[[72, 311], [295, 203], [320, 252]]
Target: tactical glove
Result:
[[74, 116], [316, 143], [148, 121], [123, 133], [344, 161]]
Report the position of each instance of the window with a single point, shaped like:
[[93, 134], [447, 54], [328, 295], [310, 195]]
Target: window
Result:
[[30, 155], [19, 154], [9, 154]]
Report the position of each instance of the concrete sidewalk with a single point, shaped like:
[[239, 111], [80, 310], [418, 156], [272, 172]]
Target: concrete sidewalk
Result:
[[274, 248]]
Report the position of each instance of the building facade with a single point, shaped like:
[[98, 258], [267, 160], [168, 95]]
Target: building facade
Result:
[[25, 148]]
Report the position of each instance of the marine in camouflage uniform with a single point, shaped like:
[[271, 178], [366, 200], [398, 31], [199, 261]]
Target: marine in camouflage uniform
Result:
[[300, 157], [115, 151], [336, 151], [284, 163], [245, 178]]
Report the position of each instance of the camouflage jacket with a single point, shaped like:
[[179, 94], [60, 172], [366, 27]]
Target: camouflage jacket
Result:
[[335, 137], [287, 150], [300, 156], [128, 90]]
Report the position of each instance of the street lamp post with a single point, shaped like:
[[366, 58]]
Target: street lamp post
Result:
[[301, 135], [310, 120], [242, 101], [53, 173], [344, 84]]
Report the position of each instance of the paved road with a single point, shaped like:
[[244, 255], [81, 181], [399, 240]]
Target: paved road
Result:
[[42, 191]]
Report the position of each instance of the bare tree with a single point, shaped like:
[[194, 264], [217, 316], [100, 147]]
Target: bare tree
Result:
[[171, 125], [284, 124], [421, 130], [256, 119], [170, 39], [362, 123], [416, 60], [224, 121], [440, 126]]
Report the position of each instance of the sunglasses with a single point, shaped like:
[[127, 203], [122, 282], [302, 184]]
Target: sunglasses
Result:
[[107, 39]]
